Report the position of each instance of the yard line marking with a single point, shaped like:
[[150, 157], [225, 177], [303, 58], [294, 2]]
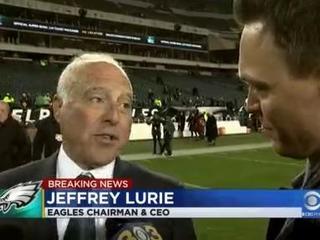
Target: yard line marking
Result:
[[194, 185], [262, 161], [197, 151]]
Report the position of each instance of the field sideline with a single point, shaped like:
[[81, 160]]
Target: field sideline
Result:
[[209, 167]]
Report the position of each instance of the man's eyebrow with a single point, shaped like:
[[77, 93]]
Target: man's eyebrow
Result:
[[246, 79], [127, 95], [90, 90], [94, 89]]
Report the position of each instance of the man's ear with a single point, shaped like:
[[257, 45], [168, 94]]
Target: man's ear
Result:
[[57, 106]]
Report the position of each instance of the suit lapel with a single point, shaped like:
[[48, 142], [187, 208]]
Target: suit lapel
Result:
[[49, 168], [48, 227], [124, 169], [121, 169]]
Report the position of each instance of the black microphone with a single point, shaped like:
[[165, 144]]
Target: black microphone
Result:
[[114, 225], [122, 229]]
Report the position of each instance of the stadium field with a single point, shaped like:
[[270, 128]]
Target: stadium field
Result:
[[253, 168]]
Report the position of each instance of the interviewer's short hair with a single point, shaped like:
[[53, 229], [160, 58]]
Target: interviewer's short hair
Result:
[[294, 25], [69, 76]]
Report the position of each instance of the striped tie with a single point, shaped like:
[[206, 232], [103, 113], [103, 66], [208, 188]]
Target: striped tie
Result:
[[81, 228]]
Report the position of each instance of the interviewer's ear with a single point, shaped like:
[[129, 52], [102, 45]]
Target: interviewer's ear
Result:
[[57, 105]]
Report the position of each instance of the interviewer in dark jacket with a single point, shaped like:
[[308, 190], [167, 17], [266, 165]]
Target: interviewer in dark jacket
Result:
[[280, 62]]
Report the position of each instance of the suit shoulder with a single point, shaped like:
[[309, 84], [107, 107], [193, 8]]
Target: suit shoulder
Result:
[[24, 173], [14, 123], [143, 177]]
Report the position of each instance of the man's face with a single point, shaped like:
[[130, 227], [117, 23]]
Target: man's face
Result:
[[96, 122], [288, 106], [4, 112]]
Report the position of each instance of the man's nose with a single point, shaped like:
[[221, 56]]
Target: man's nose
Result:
[[253, 104], [112, 114]]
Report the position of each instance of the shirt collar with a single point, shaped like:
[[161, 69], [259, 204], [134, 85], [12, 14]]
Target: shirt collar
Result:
[[67, 168]]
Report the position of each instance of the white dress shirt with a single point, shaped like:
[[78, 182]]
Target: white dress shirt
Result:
[[66, 168]]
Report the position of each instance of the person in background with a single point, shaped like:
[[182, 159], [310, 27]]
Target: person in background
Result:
[[150, 97], [181, 120], [168, 131], [243, 114], [15, 147], [155, 122], [191, 123], [48, 137], [211, 129], [24, 109], [200, 124], [9, 99], [25, 101], [39, 100], [47, 100]]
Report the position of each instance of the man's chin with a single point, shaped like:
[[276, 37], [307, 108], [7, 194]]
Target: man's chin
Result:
[[100, 158], [287, 151], [96, 163]]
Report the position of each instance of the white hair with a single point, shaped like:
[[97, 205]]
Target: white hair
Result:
[[69, 75]]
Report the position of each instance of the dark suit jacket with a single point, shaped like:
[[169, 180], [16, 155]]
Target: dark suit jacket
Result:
[[169, 229], [45, 138], [15, 146], [299, 228]]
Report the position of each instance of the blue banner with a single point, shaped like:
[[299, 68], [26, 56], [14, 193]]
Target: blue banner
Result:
[[296, 203], [176, 198]]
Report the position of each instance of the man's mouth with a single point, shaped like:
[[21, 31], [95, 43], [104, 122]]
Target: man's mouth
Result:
[[107, 138]]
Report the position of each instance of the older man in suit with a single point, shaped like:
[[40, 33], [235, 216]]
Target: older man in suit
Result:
[[93, 107]]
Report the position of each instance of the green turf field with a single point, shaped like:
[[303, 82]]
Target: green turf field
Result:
[[187, 143], [256, 168]]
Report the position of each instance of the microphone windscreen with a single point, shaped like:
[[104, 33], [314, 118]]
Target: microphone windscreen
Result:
[[136, 230]]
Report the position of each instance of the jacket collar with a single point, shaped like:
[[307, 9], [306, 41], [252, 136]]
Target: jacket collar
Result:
[[309, 178]]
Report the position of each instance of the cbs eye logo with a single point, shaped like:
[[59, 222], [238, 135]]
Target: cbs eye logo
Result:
[[312, 200]]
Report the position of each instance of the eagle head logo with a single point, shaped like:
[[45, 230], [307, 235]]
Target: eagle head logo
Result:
[[19, 195]]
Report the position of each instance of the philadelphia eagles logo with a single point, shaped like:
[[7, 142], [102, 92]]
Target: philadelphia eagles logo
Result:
[[19, 195]]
